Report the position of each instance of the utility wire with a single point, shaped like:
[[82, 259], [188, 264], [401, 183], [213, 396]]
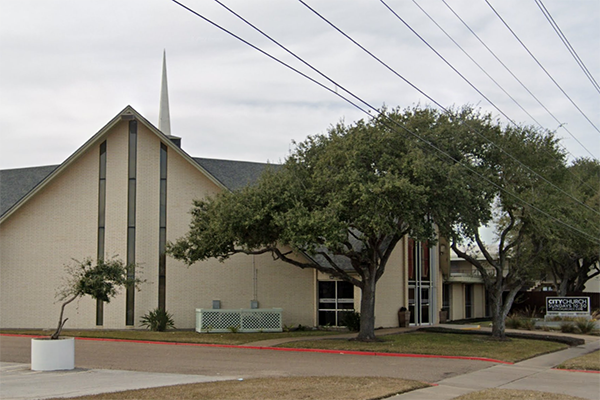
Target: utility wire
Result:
[[437, 103], [541, 66], [491, 78], [567, 44], [475, 62], [422, 139], [446, 61], [560, 124]]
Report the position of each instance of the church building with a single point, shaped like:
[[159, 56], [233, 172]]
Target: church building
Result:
[[128, 191]]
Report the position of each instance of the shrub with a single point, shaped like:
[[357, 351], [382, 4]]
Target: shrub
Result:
[[585, 325], [352, 321], [234, 329], [514, 321], [567, 327], [531, 312], [158, 320], [528, 324]]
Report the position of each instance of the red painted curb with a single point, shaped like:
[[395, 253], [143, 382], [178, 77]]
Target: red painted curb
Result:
[[326, 351]]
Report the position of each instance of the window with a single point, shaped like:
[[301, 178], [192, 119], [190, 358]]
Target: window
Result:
[[419, 282], [336, 300], [101, 222], [469, 301], [162, 230], [131, 210]]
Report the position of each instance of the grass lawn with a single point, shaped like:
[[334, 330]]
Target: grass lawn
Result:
[[309, 388], [289, 388], [512, 350], [588, 362], [183, 336], [444, 344]]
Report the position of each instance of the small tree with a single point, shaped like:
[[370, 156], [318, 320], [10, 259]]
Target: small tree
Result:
[[513, 188], [100, 280]]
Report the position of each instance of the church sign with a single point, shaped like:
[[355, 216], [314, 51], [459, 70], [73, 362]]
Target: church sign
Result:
[[567, 306]]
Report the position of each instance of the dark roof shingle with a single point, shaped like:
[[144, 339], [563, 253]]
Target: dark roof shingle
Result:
[[234, 175], [16, 183]]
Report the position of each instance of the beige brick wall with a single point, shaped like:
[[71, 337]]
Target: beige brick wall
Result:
[[232, 282], [60, 223], [43, 235], [392, 290]]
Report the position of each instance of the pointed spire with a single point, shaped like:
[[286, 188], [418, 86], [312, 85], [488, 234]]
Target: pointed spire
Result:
[[164, 118]]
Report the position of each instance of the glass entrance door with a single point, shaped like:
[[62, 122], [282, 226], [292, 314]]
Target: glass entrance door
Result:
[[419, 283]]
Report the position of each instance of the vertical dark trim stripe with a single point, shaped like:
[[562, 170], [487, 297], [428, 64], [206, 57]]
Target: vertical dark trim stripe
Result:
[[131, 209], [162, 230], [101, 221]]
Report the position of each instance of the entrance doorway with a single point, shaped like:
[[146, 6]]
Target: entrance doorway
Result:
[[419, 283]]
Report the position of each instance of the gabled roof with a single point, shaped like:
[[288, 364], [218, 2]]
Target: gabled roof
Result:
[[234, 175], [18, 185]]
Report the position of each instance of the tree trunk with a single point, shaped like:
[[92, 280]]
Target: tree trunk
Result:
[[61, 322], [367, 311], [563, 287], [500, 309]]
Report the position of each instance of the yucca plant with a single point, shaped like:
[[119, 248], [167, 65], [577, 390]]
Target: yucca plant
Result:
[[567, 327], [158, 320], [585, 325]]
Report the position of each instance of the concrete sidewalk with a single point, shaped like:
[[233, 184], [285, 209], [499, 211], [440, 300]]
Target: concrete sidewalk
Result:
[[20, 382], [533, 374]]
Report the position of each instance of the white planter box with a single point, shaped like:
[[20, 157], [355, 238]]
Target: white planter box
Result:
[[52, 355]]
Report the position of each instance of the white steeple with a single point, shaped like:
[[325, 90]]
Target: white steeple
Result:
[[164, 118]]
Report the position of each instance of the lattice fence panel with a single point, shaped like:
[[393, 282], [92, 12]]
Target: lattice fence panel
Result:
[[243, 320]]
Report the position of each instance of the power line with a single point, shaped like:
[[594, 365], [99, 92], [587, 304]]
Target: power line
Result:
[[438, 104], [446, 61], [541, 66], [488, 75], [475, 62], [567, 44], [422, 139], [560, 124]]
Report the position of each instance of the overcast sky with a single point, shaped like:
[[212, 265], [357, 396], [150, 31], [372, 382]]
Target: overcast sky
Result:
[[68, 67]]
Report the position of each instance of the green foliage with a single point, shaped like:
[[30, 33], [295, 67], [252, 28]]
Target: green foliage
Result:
[[567, 327], [347, 197], [234, 329], [158, 320], [352, 321], [585, 325], [572, 257], [514, 321], [528, 324], [101, 280]]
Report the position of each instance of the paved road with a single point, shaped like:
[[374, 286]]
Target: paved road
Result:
[[245, 363], [112, 366]]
